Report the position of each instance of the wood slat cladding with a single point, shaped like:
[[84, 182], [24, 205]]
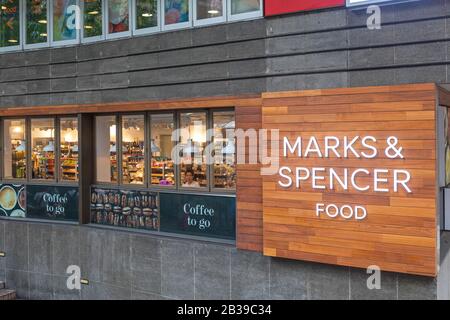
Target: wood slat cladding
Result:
[[399, 232]]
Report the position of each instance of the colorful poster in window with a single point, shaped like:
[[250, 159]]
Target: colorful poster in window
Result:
[[12, 201], [9, 23], [146, 14], [36, 21], [52, 202], [245, 6], [64, 20], [276, 7], [125, 208], [205, 216], [118, 16], [176, 11], [93, 18]]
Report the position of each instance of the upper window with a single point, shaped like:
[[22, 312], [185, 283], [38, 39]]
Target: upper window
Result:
[[146, 16], [92, 19], [9, 24], [36, 23], [177, 14], [244, 9], [64, 22], [118, 18], [209, 11], [14, 149]]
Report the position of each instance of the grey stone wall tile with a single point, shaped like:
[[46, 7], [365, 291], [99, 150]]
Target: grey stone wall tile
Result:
[[89, 97], [421, 74], [16, 246], [416, 288], [142, 61], [177, 269], [421, 53], [59, 55], [42, 99], [114, 65], [307, 62], [308, 81], [248, 49], [66, 248], [101, 291], [41, 286], [175, 39], [288, 279], [371, 58], [37, 57], [357, 16], [116, 259], [360, 291], [12, 74], [63, 98], [60, 290], [38, 86], [209, 35], [114, 95], [20, 281], [247, 30], [249, 275], [419, 10], [116, 80], [371, 77], [92, 246], [365, 37], [209, 54], [212, 272], [63, 84], [13, 88], [13, 101], [63, 70], [38, 72], [141, 44], [13, 59], [40, 251], [327, 282], [420, 31], [85, 68], [90, 82]]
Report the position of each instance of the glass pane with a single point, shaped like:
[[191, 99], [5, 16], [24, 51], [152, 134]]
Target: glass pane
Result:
[[93, 18], [118, 16], [106, 148], [146, 14], [64, 18], [224, 150], [43, 148], [209, 9], [133, 160], [9, 23], [176, 11], [69, 149], [245, 6], [161, 144], [15, 149], [36, 21], [193, 157]]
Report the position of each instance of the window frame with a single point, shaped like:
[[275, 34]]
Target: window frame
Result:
[[60, 180], [27, 155], [149, 30], [179, 25], [122, 34], [21, 33], [102, 37], [247, 15], [63, 43], [210, 21], [24, 28]]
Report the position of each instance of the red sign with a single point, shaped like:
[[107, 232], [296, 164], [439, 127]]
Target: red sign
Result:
[[275, 7]]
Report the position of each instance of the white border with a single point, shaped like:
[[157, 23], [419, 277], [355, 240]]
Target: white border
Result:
[[95, 38], [175, 26], [20, 45], [24, 24], [370, 2], [118, 34], [209, 21], [63, 42], [146, 30], [245, 16]]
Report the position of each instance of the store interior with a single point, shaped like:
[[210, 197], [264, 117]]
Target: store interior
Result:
[[14, 149], [43, 148]]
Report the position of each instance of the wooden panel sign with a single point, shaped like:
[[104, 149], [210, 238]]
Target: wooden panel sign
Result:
[[356, 183]]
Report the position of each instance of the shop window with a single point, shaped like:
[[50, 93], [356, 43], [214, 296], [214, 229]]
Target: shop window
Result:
[[224, 150], [244, 9], [69, 149], [118, 18], [133, 146], [14, 149], [177, 14], [43, 148], [146, 16], [161, 145], [36, 23], [9, 25], [209, 11], [92, 20], [193, 165], [106, 149], [64, 22]]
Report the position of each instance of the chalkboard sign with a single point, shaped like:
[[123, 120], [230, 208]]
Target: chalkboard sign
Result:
[[52, 202], [207, 216]]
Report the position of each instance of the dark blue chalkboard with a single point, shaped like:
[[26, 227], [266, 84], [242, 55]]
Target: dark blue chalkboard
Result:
[[52, 202], [206, 216]]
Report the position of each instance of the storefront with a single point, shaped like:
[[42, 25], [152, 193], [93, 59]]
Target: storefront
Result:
[[246, 155]]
